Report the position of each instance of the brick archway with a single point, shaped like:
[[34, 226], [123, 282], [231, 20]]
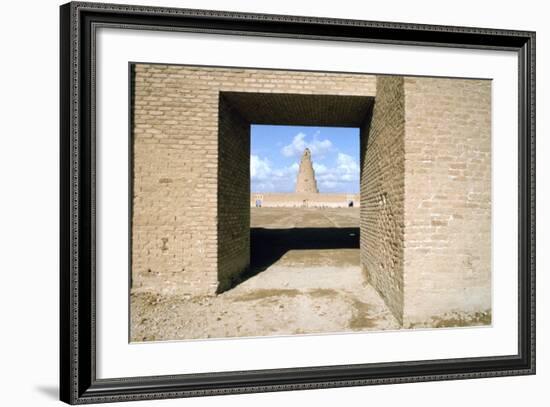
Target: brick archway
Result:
[[237, 111]]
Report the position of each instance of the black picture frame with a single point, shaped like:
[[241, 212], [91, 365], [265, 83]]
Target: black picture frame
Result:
[[78, 382]]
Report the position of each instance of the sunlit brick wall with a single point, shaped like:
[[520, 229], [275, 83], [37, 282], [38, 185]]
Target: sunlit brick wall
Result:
[[177, 220], [447, 198]]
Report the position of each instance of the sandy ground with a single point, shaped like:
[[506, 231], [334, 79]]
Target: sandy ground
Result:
[[305, 278]]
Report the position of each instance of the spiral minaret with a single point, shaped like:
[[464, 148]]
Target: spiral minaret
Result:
[[306, 182]]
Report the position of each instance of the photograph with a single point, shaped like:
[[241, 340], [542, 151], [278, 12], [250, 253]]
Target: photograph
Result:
[[261, 200], [272, 202]]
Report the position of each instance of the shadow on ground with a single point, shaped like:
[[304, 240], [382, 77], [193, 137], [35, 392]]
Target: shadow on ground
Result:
[[267, 246]]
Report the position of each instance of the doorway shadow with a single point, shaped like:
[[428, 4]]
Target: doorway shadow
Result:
[[267, 246]]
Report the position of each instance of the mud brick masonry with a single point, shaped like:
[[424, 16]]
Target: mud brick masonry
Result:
[[425, 178], [306, 181]]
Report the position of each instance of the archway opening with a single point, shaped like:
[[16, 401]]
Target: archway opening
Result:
[[304, 183], [248, 245]]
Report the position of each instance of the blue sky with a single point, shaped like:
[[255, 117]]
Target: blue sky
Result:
[[276, 152]]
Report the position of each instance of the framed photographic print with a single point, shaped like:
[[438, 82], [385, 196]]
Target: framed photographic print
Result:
[[255, 203]]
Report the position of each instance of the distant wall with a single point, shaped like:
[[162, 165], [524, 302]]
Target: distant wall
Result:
[[301, 200]]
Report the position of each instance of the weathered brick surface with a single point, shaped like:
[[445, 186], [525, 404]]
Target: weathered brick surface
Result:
[[175, 174], [186, 238], [447, 197], [382, 193]]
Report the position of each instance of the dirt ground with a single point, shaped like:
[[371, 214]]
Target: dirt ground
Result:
[[305, 278]]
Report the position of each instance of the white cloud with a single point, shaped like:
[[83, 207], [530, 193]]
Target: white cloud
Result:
[[259, 169], [344, 177], [347, 168], [285, 172], [300, 143], [264, 178], [319, 168], [347, 163]]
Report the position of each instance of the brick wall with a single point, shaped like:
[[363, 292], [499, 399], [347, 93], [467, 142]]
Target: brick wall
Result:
[[298, 200], [448, 198], [175, 173], [177, 220], [382, 193], [233, 184]]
